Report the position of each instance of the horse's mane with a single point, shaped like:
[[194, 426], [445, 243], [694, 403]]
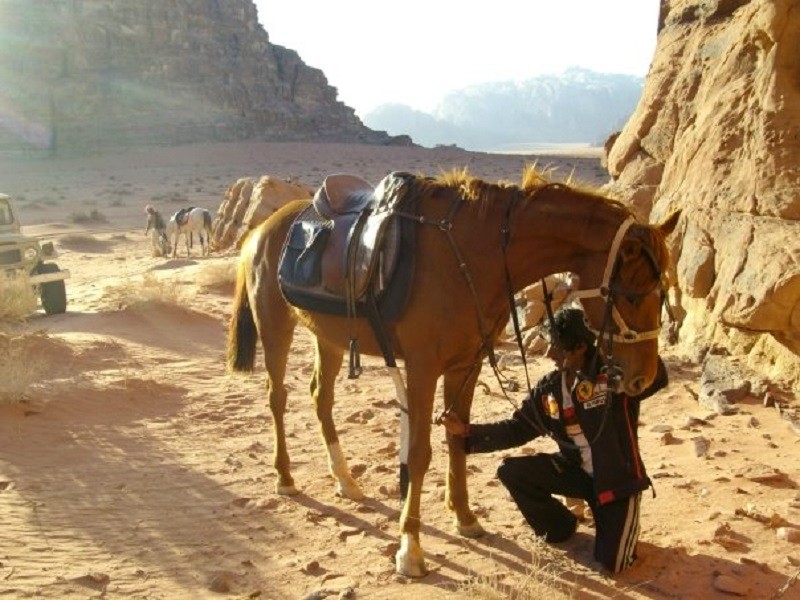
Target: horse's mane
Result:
[[533, 180], [483, 194]]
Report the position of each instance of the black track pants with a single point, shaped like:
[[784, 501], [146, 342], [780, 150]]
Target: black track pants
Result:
[[533, 480]]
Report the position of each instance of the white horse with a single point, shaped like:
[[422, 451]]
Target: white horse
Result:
[[157, 230], [186, 221]]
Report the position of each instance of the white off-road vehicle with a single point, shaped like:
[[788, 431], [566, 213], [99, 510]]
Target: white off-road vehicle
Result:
[[22, 258]]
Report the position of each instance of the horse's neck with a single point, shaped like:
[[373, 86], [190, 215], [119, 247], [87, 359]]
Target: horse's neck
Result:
[[563, 231]]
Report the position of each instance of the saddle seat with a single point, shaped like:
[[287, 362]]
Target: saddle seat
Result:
[[341, 195], [345, 245]]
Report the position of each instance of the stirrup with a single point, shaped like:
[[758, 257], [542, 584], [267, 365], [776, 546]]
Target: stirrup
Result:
[[355, 360]]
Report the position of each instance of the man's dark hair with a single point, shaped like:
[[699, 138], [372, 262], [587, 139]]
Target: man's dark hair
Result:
[[569, 329]]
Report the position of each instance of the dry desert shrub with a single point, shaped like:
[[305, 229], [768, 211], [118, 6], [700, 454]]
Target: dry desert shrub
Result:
[[17, 300], [149, 290], [217, 275], [20, 367], [545, 578], [94, 216]]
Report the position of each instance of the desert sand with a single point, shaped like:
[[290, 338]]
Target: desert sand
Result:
[[134, 466]]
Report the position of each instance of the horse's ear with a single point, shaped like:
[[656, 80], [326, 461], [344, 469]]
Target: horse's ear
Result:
[[668, 226]]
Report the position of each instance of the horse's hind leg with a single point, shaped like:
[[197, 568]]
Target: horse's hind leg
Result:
[[327, 363], [276, 329]]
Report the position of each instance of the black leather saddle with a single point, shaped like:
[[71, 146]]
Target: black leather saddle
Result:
[[349, 247], [182, 216]]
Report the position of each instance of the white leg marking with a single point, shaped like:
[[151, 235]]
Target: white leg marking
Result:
[[410, 559], [345, 484], [402, 398]]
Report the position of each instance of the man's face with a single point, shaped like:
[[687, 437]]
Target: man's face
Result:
[[568, 359]]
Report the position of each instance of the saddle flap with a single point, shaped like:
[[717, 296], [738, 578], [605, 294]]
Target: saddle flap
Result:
[[375, 253], [300, 263]]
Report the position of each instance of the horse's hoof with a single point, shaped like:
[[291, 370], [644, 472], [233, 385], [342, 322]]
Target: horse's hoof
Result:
[[410, 560], [409, 566], [473, 530], [286, 490], [349, 490]]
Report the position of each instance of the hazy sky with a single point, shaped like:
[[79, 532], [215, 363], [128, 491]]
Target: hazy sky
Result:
[[414, 51]]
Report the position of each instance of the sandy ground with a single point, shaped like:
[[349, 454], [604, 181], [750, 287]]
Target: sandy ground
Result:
[[136, 467]]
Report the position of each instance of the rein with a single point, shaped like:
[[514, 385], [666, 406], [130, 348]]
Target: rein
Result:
[[446, 226]]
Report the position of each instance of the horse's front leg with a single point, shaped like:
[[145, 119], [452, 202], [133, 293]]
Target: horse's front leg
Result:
[[327, 364], [410, 559], [459, 387]]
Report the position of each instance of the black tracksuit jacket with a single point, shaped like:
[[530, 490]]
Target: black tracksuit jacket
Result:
[[611, 429]]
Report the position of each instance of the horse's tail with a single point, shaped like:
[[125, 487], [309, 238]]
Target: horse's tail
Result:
[[242, 333]]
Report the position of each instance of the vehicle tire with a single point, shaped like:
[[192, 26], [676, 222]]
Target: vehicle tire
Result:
[[52, 293]]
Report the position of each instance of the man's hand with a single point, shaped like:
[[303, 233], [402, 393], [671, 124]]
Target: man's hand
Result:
[[454, 425]]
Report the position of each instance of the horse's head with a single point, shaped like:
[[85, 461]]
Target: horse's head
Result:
[[625, 310]]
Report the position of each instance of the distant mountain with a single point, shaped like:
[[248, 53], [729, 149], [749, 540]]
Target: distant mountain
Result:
[[575, 106]]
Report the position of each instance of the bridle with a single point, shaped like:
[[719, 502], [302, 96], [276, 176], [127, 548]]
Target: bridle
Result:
[[610, 369], [608, 290]]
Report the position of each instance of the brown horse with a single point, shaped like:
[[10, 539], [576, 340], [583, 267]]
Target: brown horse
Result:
[[458, 306]]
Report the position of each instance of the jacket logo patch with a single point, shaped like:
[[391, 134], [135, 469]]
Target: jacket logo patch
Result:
[[584, 390], [551, 406], [597, 397]]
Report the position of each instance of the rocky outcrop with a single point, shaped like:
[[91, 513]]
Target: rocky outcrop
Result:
[[717, 136], [77, 74], [247, 203]]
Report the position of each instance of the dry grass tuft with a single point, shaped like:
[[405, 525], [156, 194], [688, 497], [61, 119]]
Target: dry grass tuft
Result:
[[17, 300], [545, 579], [218, 276], [147, 291], [93, 217], [21, 366]]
